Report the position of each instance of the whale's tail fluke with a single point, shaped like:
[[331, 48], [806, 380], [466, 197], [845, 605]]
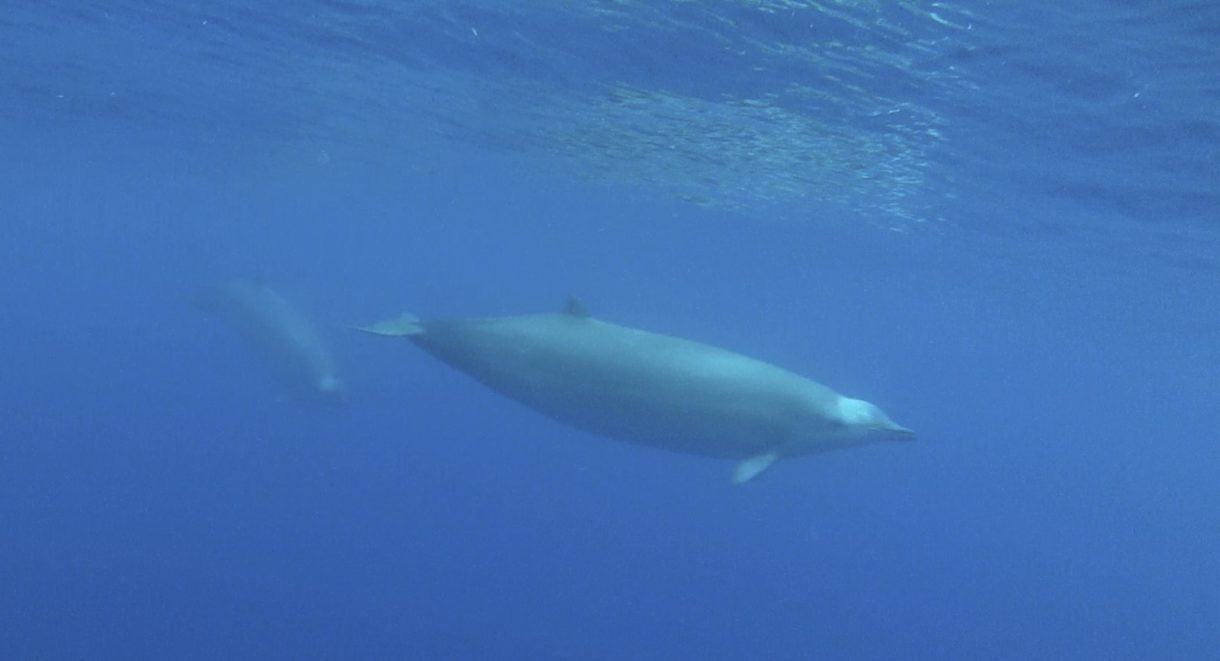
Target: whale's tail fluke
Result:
[[404, 325]]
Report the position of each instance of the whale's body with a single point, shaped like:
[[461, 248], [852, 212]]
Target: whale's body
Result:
[[284, 337], [652, 389]]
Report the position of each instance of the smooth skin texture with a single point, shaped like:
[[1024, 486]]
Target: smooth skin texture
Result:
[[283, 335], [651, 389]]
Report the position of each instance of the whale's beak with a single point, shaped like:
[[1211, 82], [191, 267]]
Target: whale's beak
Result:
[[901, 433]]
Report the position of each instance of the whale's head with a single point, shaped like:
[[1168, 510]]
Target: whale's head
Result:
[[861, 418], [330, 389]]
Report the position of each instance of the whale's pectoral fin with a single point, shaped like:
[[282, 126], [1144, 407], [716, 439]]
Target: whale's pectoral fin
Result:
[[404, 326], [750, 468]]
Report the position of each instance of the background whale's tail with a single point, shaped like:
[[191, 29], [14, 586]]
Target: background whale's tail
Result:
[[404, 325]]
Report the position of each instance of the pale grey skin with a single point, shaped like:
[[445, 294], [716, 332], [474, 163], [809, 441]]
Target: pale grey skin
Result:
[[652, 389], [283, 335]]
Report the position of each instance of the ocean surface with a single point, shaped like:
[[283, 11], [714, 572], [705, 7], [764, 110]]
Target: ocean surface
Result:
[[1000, 221]]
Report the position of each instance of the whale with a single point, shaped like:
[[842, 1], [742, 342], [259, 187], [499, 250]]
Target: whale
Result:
[[648, 388], [284, 337]]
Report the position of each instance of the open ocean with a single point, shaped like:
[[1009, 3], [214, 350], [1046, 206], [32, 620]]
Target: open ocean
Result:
[[1000, 221]]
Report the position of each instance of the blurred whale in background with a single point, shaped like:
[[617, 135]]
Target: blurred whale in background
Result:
[[652, 389], [281, 333]]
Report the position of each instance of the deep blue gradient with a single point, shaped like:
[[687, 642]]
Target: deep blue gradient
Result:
[[1000, 223]]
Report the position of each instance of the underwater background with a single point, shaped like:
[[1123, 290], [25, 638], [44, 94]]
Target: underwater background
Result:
[[1000, 221]]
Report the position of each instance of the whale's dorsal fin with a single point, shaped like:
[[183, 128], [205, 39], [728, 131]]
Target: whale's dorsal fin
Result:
[[749, 469], [575, 307]]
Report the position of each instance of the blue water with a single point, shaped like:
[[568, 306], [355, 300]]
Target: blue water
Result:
[[999, 221]]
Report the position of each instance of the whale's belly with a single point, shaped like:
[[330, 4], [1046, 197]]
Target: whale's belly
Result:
[[634, 385]]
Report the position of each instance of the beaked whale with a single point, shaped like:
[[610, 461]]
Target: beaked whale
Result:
[[647, 388], [283, 335]]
